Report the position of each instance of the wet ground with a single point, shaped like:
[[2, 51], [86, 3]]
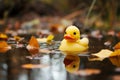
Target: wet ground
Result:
[[18, 64]]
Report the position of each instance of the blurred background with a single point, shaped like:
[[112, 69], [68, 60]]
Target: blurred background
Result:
[[94, 17], [93, 14]]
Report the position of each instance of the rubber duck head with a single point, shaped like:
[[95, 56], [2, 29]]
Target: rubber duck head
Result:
[[72, 33]]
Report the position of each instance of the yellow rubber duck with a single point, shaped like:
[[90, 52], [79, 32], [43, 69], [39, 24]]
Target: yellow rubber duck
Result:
[[72, 44]]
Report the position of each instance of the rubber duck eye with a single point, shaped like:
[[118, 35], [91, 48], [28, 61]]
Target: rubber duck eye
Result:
[[74, 33], [74, 66]]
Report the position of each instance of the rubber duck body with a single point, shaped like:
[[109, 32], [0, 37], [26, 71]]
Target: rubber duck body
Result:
[[72, 44]]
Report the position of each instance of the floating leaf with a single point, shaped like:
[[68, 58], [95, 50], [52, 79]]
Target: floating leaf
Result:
[[104, 53], [117, 46], [33, 45], [115, 58]]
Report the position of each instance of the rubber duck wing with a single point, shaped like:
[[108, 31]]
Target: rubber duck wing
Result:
[[84, 41]]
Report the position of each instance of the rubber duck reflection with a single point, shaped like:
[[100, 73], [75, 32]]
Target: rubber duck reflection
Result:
[[72, 63]]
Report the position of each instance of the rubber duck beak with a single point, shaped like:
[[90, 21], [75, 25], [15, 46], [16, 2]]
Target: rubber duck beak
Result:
[[69, 37]]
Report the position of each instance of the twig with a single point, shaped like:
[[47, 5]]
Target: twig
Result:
[[89, 11], [72, 15]]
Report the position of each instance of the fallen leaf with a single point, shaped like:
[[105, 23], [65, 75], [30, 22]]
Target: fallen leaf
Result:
[[101, 55], [117, 46]]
